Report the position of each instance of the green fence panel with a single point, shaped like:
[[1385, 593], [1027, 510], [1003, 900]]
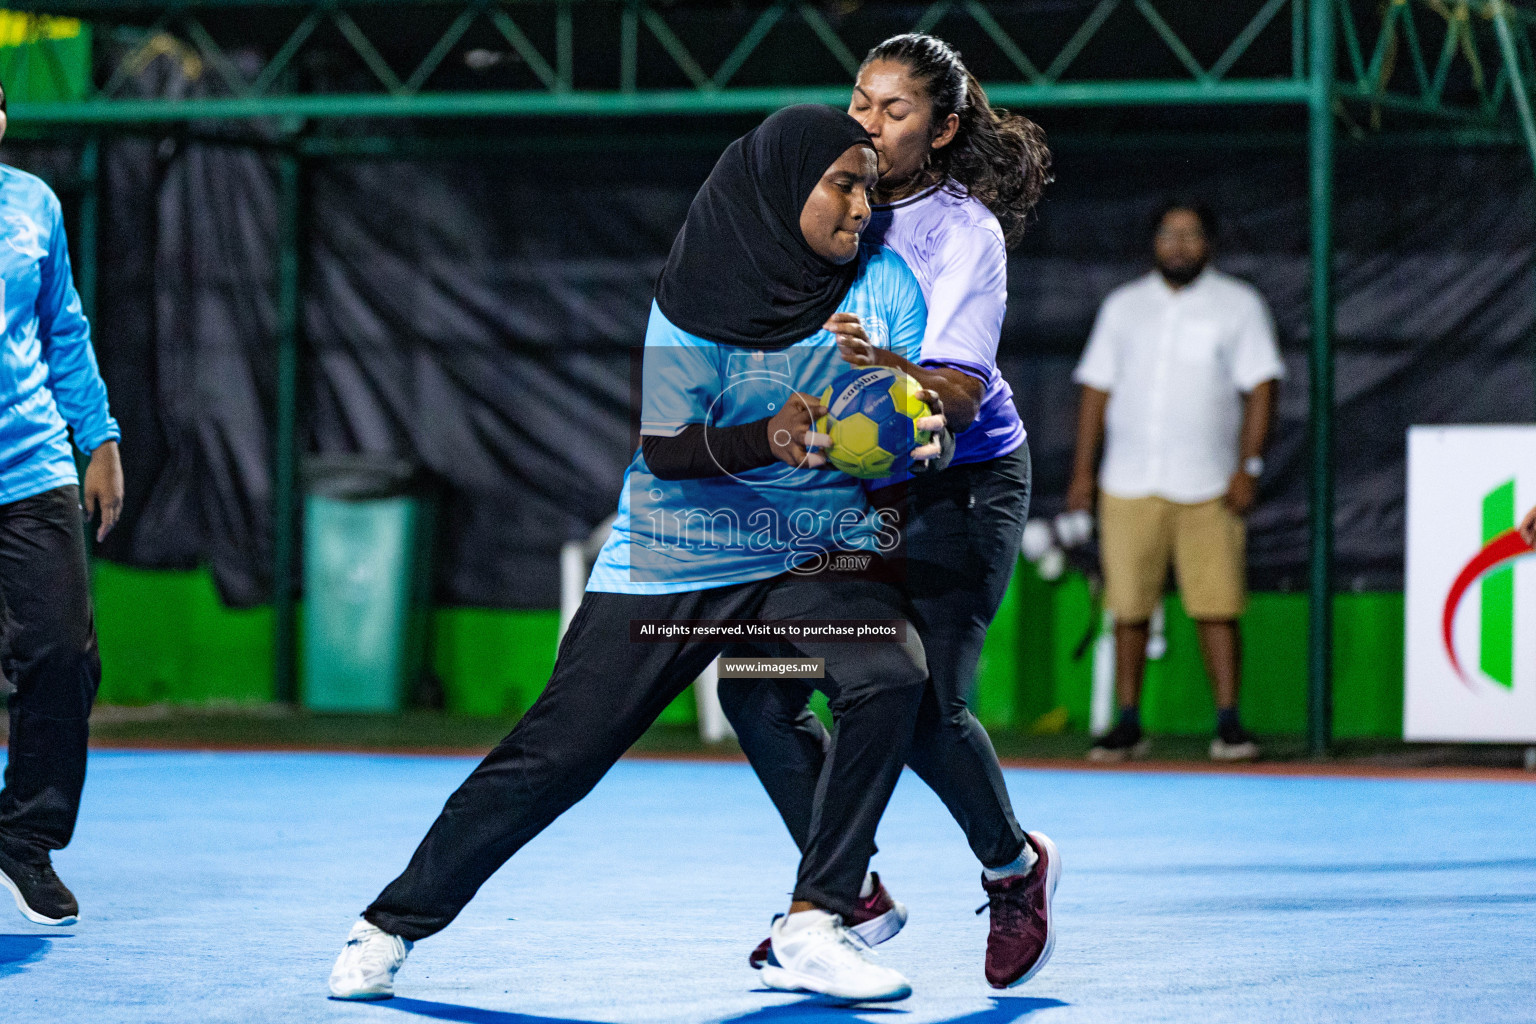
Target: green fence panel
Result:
[[1274, 697], [1176, 698], [1368, 665], [166, 637], [493, 664]]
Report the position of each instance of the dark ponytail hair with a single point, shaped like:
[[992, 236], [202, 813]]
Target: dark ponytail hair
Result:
[[999, 157]]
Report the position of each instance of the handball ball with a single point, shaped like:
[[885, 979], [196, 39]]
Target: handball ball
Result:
[[870, 418]]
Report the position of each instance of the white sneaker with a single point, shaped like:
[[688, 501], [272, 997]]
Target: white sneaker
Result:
[[815, 953], [367, 965]]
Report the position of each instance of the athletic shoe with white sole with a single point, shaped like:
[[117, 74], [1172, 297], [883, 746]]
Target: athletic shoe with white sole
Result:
[[879, 918], [813, 952], [39, 895], [1023, 932], [1124, 742], [1234, 743], [367, 965]]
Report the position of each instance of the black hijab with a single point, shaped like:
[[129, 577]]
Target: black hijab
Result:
[[740, 271]]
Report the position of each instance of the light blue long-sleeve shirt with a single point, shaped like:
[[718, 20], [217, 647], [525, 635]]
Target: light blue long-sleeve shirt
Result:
[[674, 536], [49, 382]]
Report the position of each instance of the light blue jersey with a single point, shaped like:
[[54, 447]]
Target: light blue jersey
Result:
[[673, 536], [49, 383]]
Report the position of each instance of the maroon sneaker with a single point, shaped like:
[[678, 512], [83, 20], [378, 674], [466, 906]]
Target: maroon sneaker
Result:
[[1022, 932], [879, 919]]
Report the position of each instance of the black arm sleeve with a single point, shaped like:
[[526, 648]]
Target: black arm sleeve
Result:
[[689, 455]]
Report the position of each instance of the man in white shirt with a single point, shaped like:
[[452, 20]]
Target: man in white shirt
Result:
[[1179, 380]]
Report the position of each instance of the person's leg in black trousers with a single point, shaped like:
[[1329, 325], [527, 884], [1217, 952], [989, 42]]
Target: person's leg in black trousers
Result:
[[962, 539], [873, 690], [962, 545], [781, 707], [52, 669], [604, 693], [962, 534]]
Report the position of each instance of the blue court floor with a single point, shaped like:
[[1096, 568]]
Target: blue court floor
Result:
[[219, 887]]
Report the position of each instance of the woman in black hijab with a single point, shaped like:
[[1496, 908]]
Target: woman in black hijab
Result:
[[768, 253], [766, 256], [742, 271]]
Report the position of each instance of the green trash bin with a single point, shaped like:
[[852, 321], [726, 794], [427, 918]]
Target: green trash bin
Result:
[[367, 582]]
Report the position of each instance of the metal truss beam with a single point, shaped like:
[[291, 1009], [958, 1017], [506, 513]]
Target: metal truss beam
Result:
[[1515, 47], [1410, 55], [619, 104], [641, 57], [1444, 60]]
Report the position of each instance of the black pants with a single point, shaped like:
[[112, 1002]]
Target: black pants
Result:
[[606, 691], [52, 670], [962, 530]]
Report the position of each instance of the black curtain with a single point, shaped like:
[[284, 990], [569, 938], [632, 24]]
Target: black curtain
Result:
[[476, 315], [1435, 289]]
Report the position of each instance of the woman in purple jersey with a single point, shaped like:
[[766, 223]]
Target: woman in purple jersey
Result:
[[958, 182]]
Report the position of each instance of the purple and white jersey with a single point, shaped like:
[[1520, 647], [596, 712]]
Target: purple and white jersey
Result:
[[954, 246]]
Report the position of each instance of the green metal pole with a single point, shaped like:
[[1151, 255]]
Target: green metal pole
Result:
[[1320, 152], [1518, 86], [90, 223], [645, 102], [285, 454]]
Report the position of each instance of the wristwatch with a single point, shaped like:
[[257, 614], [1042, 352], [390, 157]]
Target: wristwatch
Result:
[[1254, 466]]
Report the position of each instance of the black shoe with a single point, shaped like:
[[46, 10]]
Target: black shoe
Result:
[[1122, 743], [40, 896], [1234, 743]]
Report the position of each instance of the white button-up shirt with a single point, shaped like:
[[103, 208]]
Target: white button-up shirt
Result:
[[1176, 364]]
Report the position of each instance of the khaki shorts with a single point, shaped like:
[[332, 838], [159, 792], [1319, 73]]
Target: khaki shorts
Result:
[[1138, 537]]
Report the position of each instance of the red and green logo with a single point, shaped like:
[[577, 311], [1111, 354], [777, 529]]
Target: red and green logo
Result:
[[1491, 567]]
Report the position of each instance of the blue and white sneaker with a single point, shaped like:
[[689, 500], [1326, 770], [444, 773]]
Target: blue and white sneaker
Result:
[[813, 952], [880, 916]]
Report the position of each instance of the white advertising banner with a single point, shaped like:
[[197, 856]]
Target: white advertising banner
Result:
[[1470, 649]]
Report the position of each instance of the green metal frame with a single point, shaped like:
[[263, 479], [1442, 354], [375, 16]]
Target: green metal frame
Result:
[[614, 32], [286, 447], [1462, 67], [1320, 413]]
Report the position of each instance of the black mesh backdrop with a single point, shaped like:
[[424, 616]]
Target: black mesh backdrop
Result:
[[476, 316]]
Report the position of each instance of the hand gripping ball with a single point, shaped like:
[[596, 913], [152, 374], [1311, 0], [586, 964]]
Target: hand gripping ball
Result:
[[871, 416]]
